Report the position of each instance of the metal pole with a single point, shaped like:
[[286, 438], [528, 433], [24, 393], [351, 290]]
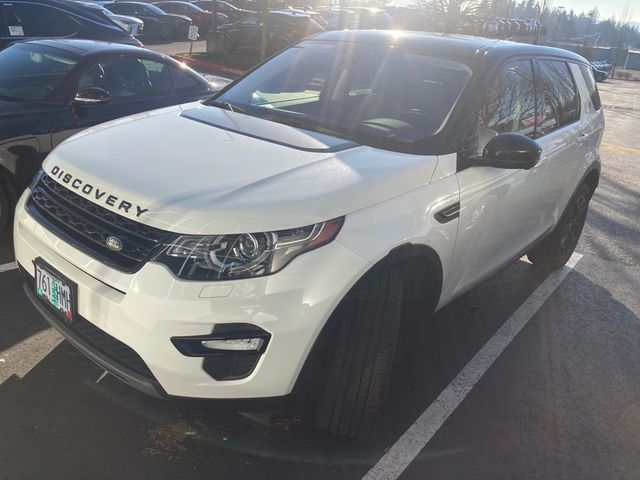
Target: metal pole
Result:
[[215, 17], [265, 14]]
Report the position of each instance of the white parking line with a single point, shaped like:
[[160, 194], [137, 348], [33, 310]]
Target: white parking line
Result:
[[409, 445], [5, 267], [22, 357]]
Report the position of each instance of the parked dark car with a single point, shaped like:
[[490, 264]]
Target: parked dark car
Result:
[[51, 89], [598, 74], [283, 29], [20, 20], [231, 11], [203, 19], [157, 23], [602, 65]]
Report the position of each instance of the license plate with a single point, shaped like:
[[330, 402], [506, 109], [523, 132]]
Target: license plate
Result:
[[55, 290]]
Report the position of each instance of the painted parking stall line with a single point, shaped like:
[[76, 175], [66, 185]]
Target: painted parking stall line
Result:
[[6, 267], [21, 358], [411, 443]]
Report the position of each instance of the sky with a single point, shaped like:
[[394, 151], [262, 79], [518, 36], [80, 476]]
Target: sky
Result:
[[607, 8]]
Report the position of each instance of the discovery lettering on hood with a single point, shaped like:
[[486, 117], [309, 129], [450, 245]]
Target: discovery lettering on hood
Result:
[[95, 192]]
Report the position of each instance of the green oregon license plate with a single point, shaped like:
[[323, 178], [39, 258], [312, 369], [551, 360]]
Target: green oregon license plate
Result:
[[55, 290]]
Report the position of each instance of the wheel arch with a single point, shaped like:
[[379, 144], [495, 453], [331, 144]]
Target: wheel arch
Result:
[[421, 270]]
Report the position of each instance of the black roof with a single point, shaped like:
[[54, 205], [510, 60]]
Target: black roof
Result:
[[442, 44]]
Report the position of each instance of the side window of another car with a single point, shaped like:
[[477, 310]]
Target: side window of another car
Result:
[[128, 77], [558, 98], [510, 105], [182, 80], [251, 20], [33, 20], [587, 73]]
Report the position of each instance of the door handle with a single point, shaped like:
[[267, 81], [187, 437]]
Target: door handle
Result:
[[583, 137]]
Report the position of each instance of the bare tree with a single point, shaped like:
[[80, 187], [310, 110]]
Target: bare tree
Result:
[[453, 11], [625, 17]]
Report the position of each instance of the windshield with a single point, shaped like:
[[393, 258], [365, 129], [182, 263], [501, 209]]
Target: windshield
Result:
[[380, 96], [30, 72]]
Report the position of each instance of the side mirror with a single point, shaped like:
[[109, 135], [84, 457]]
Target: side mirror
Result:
[[91, 96], [510, 150]]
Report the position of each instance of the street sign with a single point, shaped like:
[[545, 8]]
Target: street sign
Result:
[[193, 33]]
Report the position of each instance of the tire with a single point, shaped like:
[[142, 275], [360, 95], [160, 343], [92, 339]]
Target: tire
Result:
[[359, 357], [554, 251]]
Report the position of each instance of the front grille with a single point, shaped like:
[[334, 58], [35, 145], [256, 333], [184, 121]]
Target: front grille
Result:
[[87, 226], [111, 347]]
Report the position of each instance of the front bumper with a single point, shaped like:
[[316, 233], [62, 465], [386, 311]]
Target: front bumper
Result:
[[146, 309]]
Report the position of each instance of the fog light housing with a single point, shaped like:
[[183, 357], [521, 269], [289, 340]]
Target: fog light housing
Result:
[[235, 344], [230, 352]]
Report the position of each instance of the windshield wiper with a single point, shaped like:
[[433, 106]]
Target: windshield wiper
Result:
[[225, 105]]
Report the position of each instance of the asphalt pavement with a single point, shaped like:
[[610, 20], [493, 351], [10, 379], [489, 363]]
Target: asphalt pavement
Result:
[[525, 376]]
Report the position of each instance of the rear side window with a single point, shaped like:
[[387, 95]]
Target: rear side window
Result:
[[32, 20], [558, 98], [587, 73], [510, 105]]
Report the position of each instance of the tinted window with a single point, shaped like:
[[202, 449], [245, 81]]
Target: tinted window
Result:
[[123, 9], [128, 77], [587, 73], [31, 20], [557, 96], [31, 72], [510, 104], [250, 20], [182, 79]]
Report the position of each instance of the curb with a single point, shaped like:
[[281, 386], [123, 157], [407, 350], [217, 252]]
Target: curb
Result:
[[209, 67]]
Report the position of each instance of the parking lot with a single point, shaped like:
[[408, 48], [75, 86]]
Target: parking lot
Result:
[[526, 376]]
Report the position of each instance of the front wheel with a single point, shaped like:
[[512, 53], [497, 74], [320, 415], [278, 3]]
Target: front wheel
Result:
[[554, 251], [167, 32], [359, 358]]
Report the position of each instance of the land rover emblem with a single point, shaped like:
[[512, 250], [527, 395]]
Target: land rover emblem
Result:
[[114, 243]]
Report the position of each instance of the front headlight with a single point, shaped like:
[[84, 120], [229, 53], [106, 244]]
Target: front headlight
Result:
[[227, 257]]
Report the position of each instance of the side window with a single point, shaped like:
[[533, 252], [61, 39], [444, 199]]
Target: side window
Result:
[[119, 9], [510, 104], [587, 73], [31, 20], [128, 77], [181, 79], [558, 98], [250, 20]]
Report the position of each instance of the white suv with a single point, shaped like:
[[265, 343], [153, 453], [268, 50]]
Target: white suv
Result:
[[268, 241]]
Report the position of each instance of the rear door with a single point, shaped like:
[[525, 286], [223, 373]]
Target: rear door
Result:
[[557, 131]]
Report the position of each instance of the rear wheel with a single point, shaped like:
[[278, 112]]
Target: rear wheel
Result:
[[359, 358], [555, 250]]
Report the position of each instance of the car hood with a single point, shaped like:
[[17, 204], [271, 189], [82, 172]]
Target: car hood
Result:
[[198, 169], [127, 19], [176, 17]]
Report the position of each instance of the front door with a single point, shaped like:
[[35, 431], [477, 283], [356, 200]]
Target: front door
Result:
[[500, 210], [135, 85]]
